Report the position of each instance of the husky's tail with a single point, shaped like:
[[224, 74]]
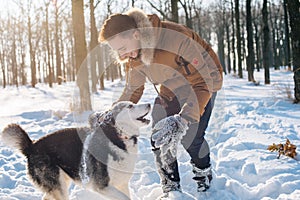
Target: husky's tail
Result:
[[14, 136]]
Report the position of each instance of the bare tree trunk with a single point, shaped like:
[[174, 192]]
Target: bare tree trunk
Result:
[[32, 54], [50, 81], [14, 61], [238, 38], [3, 69], [159, 9], [221, 34], [274, 54], [52, 62], [101, 67], [233, 37], [21, 46], [73, 64], [250, 57], [70, 68], [23, 74], [287, 36], [257, 46], [80, 54], [266, 42], [197, 11], [63, 61], [93, 44], [228, 47], [57, 48], [293, 8], [174, 7], [187, 10], [39, 67]]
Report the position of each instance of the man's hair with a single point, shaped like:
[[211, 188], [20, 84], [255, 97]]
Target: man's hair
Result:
[[116, 24]]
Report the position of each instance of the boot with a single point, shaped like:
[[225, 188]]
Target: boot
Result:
[[203, 177], [169, 185], [168, 172]]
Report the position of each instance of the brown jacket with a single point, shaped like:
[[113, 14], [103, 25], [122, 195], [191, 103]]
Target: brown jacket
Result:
[[176, 58]]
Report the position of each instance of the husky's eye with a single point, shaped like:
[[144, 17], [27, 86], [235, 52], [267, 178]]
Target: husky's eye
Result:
[[130, 106]]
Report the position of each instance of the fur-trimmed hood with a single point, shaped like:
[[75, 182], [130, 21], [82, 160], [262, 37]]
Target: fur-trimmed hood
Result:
[[148, 39]]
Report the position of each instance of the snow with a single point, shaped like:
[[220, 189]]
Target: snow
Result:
[[245, 121]]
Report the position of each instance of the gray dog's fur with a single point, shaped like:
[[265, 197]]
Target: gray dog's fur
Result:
[[91, 156]]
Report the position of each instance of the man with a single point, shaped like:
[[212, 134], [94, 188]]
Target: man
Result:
[[189, 75]]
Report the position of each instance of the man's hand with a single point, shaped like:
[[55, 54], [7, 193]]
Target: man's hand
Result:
[[169, 131]]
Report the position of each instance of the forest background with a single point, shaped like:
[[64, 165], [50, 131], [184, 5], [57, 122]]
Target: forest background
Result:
[[56, 41]]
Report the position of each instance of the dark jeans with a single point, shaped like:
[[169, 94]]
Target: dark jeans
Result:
[[194, 141]]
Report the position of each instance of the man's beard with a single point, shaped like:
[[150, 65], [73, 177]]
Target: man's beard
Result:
[[138, 56]]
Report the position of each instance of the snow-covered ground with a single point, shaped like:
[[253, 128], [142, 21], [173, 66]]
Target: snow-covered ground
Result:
[[246, 120]]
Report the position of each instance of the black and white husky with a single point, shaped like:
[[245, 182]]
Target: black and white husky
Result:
[[100, 157]]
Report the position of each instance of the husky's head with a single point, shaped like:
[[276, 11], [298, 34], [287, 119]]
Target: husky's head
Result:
[[125, 116], [130, 117]]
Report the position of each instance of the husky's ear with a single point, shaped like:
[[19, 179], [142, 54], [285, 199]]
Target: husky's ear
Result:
[[112, 121], [109, 118], [95, 119]]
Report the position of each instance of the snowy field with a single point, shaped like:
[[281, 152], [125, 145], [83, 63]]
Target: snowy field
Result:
[[246, 120]]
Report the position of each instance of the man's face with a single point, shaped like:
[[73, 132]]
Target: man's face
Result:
[[126, 46]]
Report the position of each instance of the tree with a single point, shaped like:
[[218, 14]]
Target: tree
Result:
[[186, 5], [275, 22], [287, 36], [31, 47], [174, 10], [50, 76], [80, 54], [266, 42], [14, 58], [39, 44], [227, 22], [68, 44], [233, 36], [57, 47], [2, 64], [293, 8], [238, 38], [250, 57], [165, 9], [93, 44], [256, 20], [219, 19]]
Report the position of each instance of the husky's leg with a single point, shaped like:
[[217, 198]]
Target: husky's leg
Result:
[[60, 191]]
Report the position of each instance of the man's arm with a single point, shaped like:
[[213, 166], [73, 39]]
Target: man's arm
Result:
[[134, 87]]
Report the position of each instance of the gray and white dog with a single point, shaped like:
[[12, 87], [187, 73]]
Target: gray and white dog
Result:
[[100, 157]]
